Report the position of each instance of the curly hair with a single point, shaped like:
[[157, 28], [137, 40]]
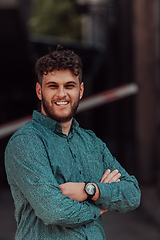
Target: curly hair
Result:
[[59, 59]]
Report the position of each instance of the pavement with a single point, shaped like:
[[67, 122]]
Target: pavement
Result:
[[140, 224]]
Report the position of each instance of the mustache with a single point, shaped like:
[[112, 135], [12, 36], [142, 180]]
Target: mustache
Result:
[[61, 99]]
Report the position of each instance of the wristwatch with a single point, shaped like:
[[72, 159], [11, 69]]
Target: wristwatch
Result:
[[90, 189]]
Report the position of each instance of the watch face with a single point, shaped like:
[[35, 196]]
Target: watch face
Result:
[[90, 188]]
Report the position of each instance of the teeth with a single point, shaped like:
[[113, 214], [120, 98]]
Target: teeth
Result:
[[61, 103]]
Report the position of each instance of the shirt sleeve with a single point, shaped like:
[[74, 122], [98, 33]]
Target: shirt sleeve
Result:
[[118, 196], [29, 169]]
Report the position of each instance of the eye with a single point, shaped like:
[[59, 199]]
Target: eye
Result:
[[53, 86], [69, 86]]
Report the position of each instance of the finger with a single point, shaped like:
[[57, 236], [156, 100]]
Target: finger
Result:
[[110, 176], [103, 211], [115, 178], [107, 172], [118, 180]]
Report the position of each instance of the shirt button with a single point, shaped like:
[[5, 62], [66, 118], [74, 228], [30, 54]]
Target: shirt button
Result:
[[80, 172], [94, 216]]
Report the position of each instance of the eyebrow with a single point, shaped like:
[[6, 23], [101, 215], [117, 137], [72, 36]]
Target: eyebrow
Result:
[[71, 82], [48, 83]]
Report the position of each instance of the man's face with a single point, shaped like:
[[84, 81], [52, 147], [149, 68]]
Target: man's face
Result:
[[60, 94]]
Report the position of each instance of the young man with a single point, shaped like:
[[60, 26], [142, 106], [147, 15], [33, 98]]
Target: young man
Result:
[[63, 177]]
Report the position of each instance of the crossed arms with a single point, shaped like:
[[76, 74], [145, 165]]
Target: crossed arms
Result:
[[75, 191], [32, 179]]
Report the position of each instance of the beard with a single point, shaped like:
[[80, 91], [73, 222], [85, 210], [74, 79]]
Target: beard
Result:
[[50, 112]]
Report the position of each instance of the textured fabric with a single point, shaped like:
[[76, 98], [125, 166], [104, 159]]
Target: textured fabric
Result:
[[38, 158]]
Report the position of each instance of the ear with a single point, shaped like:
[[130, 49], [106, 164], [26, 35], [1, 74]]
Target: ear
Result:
[[81, 90], [39, 90]]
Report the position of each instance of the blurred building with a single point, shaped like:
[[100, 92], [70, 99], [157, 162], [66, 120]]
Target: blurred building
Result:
[[120, 44], [17, 97]]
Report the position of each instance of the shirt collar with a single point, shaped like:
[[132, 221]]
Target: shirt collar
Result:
[[54, 125]]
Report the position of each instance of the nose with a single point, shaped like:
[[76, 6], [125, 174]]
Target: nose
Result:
[[61, 92]]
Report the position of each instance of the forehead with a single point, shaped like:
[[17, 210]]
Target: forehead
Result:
[[60, 76]]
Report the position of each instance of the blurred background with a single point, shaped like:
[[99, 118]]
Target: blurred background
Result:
[[119, 44]]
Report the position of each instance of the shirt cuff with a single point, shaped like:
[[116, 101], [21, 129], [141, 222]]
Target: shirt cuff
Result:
[[105, 193]]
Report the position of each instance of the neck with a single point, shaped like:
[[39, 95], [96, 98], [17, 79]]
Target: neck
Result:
[[66, 127]]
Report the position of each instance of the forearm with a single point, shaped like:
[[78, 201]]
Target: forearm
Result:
[[119, 196], [66, 212], [53, 208], [75, 191], [114, 195]]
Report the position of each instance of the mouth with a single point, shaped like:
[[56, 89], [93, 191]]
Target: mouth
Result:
[[62, 103]]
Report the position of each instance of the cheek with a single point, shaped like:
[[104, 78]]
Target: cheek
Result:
[[48, 95], [75, 97]]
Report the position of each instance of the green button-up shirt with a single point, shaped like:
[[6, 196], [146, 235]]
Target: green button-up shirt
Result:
[[38, 158]]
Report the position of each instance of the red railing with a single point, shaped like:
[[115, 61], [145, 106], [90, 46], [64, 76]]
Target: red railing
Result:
[[86, 104]]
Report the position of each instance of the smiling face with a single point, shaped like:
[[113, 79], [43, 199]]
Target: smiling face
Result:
[[60, 94]]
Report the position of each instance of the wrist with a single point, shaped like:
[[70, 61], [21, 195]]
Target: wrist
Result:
[[84, 193], [97, 194], [92, 191]]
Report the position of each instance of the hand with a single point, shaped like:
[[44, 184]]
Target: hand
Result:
[[103, 211], [75, 191], [109, 177]]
